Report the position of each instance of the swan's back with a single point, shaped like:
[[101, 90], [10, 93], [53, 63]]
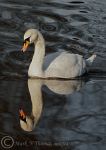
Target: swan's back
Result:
[[64, 65]]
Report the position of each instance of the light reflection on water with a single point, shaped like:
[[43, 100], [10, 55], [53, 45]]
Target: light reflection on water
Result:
[[76, 26]]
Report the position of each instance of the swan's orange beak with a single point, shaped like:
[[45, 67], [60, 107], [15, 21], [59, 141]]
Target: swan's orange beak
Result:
[[22, 115], [25, 46]]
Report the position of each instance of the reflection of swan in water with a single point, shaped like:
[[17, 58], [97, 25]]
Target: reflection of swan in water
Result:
[[64, 87], [28, 123]]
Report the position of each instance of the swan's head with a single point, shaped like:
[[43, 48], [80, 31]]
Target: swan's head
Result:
[[30, 36], [26, 122]]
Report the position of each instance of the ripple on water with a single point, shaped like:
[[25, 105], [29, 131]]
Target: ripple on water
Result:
[[52, 15], [20, 56], [49, 27], [15, 63], [83, 11], [79, 18], [14, 6], [6, 15], [76, 2], [6, 25]]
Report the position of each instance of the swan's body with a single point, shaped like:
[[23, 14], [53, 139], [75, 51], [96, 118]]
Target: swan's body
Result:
[[65, 65], [56, 65], [28, 123]]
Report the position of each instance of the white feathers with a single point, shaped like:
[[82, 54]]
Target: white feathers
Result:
[[90, 60], [55, 65]]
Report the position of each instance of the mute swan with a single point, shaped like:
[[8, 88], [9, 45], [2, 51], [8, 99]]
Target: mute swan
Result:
[[56, 65], [28, 123]]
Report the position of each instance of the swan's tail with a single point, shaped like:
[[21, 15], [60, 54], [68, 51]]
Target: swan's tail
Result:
[[90, 60]]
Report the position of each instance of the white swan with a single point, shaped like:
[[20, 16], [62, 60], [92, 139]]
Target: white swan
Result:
[[56, 65], [28, 123]]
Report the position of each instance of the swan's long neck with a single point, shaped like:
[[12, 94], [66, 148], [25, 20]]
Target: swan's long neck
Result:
[[36, 65], [36, 98]]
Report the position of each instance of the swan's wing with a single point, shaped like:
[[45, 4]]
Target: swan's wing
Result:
[[50, 58], [64, 65]]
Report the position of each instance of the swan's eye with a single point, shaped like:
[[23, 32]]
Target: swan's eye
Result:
[[26, 40], [25, 44]]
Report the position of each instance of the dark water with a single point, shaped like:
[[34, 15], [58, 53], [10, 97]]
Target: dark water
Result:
[[71, 120]]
